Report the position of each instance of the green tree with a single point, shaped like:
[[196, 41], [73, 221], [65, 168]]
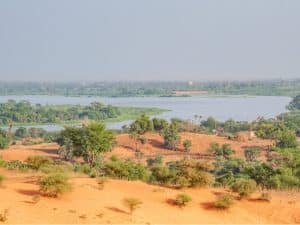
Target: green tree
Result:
[[171, 136], [159, 124], [295, 103], [89, 141], [141, 125], [287, 139], [4, 139], [21, 132]]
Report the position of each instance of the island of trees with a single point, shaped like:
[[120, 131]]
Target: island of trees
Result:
[[23, 112]]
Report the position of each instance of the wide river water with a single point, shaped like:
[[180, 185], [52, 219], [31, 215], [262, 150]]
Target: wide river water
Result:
[[244, 108]]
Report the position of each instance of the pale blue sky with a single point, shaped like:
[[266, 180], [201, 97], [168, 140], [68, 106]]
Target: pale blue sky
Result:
[[149, 39]]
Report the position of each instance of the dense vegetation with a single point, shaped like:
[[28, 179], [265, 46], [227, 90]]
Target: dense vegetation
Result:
[[125, 89], [23, 112]]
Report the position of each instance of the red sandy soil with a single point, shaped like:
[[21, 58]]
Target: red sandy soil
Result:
[[86, 203], [200, 145], [125, 147]]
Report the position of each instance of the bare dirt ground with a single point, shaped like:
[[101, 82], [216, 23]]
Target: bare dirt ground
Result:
[[86, 203], [200, 146], [125, 147]]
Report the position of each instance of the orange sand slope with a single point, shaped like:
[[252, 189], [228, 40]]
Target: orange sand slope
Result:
[[88, 204], [125, 147]]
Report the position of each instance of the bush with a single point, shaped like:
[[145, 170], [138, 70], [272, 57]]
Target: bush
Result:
[[182, 199], [53, 185], [187, 144], [2, 163], [17, 165], [157, 160], [21, 132], [36, 162], [2, 178], [3, 216], [4, 139], [132, 204], [252, 153], [171, 136], [125, 169], [159, 124], [191, 173], [287, 139], [224, 151], [224, 201], [244, 187]]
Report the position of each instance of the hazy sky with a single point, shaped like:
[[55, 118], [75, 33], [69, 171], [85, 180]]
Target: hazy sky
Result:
[[149, 39]]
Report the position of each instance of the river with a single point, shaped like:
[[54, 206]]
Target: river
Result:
[[244, 108]]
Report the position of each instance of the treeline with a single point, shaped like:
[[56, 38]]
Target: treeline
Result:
[[23, 112], [129, 89]]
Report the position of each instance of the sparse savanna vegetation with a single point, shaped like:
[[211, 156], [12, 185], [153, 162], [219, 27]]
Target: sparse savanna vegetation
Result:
[[54, 185], [182, 199], [244, 187], [224, 201], [89, 149], [132, 204]]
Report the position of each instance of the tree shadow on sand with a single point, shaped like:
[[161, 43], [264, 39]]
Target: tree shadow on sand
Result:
[[115, 209], [28, 192]]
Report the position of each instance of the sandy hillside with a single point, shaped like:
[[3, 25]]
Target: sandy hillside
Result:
[[200, 145], [88, 204], [125, 147]]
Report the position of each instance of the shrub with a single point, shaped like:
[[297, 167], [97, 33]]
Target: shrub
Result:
[[82, 168], [2, 178], [159, 124], [143, 140], [191, 173], [224, 151], [162, 175], [125, 169], [36, 162], [53, 185], [17, 165], [287, 139], [2, 163], [3, 216], [252, 153], [224, 201], [54, 168], [187, 144], [21, 132], [182, 199], [132, 204], [244, 187], [4, 139], [157, 160]]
